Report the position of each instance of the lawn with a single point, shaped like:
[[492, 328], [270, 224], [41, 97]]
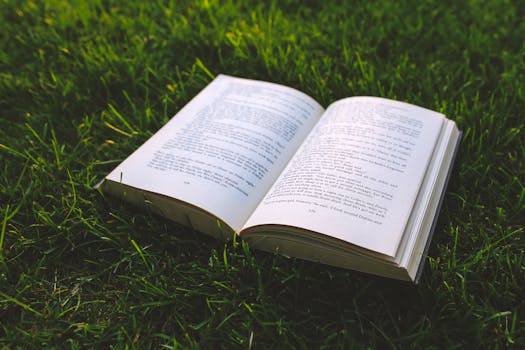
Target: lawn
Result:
[[84, 83]]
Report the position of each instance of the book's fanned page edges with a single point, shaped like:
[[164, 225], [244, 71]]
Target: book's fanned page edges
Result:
[[316, 247], [425, 207], [422, 253], [172, 209]]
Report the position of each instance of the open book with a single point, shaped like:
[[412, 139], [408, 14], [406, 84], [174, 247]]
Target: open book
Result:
[[357, 185]]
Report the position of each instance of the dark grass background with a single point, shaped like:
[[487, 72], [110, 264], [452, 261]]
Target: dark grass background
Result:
[[83, 83]]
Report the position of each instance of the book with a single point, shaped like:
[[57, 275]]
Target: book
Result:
[[358, 185]]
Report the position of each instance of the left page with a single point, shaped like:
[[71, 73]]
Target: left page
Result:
[[225, 148]]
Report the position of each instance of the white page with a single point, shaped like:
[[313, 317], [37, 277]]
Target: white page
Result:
[[357, 175], [225, 148]]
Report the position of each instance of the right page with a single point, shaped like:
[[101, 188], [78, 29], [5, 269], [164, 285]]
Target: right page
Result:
[[357, 175]]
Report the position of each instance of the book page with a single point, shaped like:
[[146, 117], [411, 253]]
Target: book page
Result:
[[225, 148], [358, 173]]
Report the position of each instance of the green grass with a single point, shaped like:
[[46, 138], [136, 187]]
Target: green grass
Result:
[[83, 83]]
